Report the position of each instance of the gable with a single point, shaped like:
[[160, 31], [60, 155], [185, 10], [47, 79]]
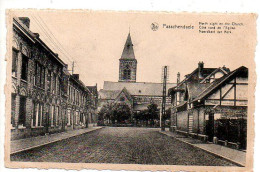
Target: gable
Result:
[[216, 74], [233, 92], [124, 98]]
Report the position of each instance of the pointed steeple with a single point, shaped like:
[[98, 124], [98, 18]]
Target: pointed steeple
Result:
[[128, 52]]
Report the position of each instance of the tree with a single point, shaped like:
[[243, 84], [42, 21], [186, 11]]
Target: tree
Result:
[[106, 112], [122, 112], [153, 112], [115, 112]]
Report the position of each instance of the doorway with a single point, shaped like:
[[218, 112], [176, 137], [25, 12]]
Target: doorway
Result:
[[210, 126]]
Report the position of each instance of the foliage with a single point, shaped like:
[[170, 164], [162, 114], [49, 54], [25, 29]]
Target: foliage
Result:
[[153, 111], [115, 113]]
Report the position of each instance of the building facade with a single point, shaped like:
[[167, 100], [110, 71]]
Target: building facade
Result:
[[77, 103], [211, 104], [92, 106], [40, 82]]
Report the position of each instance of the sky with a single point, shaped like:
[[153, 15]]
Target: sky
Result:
[[95, 41]]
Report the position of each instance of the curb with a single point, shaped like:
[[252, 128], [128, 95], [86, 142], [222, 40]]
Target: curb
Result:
[[213, 153], [36, 146]]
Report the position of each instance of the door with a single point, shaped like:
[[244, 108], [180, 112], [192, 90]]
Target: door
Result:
[[210, 126]]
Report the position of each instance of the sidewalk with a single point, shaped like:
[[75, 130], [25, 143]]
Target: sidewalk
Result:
[[233, 155], [33, 142]]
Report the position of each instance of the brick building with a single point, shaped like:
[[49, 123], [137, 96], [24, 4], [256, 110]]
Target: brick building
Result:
[[77, 103], [92, 105], [40, 87], [211, 104]]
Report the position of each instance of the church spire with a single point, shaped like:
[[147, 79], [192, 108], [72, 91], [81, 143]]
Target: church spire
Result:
[[128, 63], [128, 52]]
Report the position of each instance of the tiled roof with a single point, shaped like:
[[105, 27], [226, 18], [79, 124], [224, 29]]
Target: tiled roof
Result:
[[108, 94], [195, 89], [127, 94], [138, 88]]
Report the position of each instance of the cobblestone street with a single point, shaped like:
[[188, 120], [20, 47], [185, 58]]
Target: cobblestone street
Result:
[[123, 146]]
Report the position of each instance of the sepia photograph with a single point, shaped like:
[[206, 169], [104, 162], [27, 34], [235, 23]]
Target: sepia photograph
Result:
[[98, 88]]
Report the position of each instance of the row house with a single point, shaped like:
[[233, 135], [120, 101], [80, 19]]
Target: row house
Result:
[[211, 104], [92, 106], [80, 104], [77, 100], [40, 81]]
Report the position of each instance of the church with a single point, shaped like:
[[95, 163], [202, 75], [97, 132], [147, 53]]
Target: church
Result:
[[137, 95]]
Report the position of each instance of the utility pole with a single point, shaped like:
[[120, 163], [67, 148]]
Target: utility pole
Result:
[[163, 112]]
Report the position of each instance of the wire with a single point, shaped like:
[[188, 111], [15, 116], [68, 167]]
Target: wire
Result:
[[48, 36], [57, 40]]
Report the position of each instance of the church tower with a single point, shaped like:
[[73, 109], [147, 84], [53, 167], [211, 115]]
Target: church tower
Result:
[[127, 62]]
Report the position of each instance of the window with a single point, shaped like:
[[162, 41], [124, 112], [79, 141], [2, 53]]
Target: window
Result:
[[13, 107], [42, 77], [49, 81], [40, 116], [35, 80], [57, 115], [58, 86], [22, 111], [69, 115], [54, 84], [78, 97], [24, 71], [14, 63], [37, 115], [52, 115], [39, 75], [47, 115], [127, 74], [81, 118], [77, 118], [74, 95]]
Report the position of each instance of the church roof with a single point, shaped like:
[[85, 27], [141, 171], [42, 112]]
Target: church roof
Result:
[[108, 94], [136, 88], [128, 52]]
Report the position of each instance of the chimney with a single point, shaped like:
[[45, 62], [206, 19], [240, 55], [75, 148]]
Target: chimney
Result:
[[200, 68], [25, 21], [178, 77], [76, 76]]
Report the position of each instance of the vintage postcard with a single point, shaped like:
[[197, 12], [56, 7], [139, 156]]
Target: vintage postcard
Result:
[[130, 90]]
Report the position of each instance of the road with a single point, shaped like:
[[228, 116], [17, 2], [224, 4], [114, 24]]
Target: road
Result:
[[121, 146]]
